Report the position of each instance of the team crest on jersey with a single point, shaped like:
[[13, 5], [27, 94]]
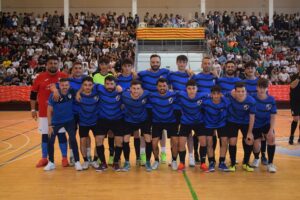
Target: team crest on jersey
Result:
[[199, 102], [118, 98], [171, 100], [246, 107], [144, 101], [269, 106], [96, 98], [69, 96]]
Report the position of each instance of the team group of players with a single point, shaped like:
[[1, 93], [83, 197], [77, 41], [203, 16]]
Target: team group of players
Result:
[[191, 108]]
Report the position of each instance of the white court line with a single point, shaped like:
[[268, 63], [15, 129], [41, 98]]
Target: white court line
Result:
[[7, 143], [26, 143], [21, 158]]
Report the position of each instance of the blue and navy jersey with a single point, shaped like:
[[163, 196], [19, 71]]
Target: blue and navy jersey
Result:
[[88, 107], [163, 107], [264, 109], [227, 83], [204, 82], [149, 78], [124, 81], [75, 84], [191, 108], [239, 112], [215, 115], [178, 80], [135, 110], [62, 109], [251, 86], [109, 104]]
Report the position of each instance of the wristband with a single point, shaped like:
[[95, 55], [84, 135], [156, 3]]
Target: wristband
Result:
[[33, 110]]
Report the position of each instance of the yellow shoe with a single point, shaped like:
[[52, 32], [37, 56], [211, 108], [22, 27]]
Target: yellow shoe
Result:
[[232, 168], [143, 159], [111, 160], [163, 157], [248, 168]]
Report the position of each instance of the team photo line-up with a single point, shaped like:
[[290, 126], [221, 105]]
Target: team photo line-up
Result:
[[193, 109]]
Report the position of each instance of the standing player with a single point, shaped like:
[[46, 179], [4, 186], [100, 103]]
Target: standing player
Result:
[[215, 116], [87, 119], [295, 105], [227, 83], [60, 115], [162, 104], [190, 102], [177, 81], [124, 80], [41, 91], [251, 87], [99, 78], [264, 123], [205, 81], [149, 79], [241, 115], [136, 118]]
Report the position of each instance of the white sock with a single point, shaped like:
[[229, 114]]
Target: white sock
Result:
[[88, 152], [71, 153], [143, 150], [163, 149]]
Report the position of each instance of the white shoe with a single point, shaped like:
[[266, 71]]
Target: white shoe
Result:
[[255, 163], [155, 165], [78, 166], [271, 168], [72, 161], [50, 166], [192, 161], [85, 165], [174, 165], [94, 164]]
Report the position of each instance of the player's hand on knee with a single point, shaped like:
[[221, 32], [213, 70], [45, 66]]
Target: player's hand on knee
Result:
[[249, 137]]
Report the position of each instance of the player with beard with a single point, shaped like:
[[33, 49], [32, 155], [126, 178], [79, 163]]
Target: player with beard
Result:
[[40, 93]]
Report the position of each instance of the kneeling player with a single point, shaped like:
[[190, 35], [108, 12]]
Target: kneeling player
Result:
[[215, 115], [60, 115], [264, 123]]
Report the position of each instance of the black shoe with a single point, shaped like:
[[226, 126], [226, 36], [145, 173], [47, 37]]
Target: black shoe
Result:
[[291, 140], [197, 160]]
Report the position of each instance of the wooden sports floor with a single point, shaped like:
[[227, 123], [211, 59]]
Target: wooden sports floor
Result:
[[19, 179]]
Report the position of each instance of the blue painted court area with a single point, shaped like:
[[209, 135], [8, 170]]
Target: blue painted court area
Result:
[[282, 147]]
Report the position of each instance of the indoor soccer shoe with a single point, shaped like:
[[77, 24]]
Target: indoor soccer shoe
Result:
[[143, 159], [78, 166], [255, 163], [248, 168], [271, 168], [102, 167], [50, 166], [232, 168], [116, 167], [264, 160], [155, 165], [72, 161], [94, 164], [223, 167], [163, 157], [291, 140], [85, 165], [148, 166], [211, 167], [174, 165], [191, 161], [181, 167], [65, 162], [42, 162], [111, 160], [126, 166], [204, 167]]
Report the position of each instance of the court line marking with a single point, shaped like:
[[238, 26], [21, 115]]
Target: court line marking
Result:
[[14, 124], [188, 182], [21, 147], [28, 131], [17, 157], [9, 146]]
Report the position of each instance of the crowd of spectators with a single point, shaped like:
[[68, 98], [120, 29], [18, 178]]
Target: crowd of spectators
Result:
[[26, 39]]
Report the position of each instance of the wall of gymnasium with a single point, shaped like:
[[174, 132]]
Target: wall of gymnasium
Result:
[[186, 8]]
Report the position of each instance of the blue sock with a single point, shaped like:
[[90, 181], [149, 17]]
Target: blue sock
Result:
[[63, 145], [44, 146]]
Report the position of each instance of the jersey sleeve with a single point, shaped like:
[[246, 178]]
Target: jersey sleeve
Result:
[[274, 107], [253, 107], [36, 84], [50, 100]]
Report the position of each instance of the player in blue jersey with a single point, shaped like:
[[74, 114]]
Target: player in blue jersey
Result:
[[87, 110], [136, 118], [227, 82], [177, 81], [162, 105], [148, 78], [264, 123], [190, 102], [124, 80], [60, 115], [215, 116], [205, 81], [251, 85], [241, 115]]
